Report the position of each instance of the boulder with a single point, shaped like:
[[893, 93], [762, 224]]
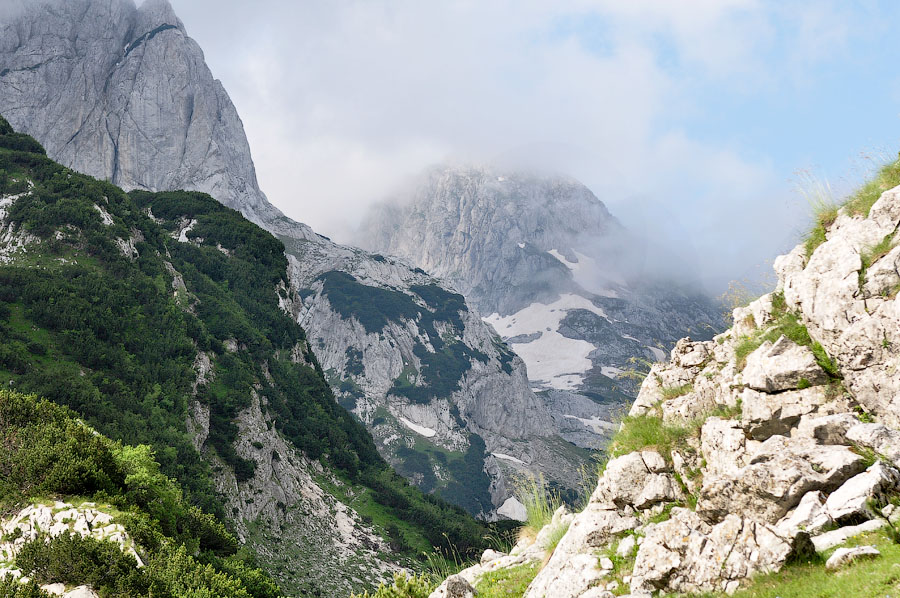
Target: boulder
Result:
[[723, 444], [809, 516], [685, 554], [572, 569], [765, 415], [827, 429], [781, 365], [836, 537], [851, 500], [456, 587], [777, 475], [638, 479], [844, 556], [626, 547], [878, 437]]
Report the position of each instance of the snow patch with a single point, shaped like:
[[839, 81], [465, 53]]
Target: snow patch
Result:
[[513, 509], [422, 430], [595, 423], [506, 457], [552, 360], [658, 353], [610, 371]]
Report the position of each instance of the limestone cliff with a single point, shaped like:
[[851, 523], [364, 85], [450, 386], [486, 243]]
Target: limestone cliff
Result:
[[777, 438]]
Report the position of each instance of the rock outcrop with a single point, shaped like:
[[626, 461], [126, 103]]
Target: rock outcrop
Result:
[[87, 520], [776, 438]]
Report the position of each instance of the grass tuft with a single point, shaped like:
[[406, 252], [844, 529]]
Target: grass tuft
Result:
[[872, 254], [641, 432], [540, 503], [507, 583], [672, 392], [858, 204]]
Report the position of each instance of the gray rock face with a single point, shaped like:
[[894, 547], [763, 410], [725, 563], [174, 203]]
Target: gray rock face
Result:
[[122, 93], [685, 554], [545, 258], [782, 365]]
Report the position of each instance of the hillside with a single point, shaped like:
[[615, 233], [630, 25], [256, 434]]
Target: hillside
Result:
[[100, 516], [774, 446], [162, 319], [122, 92]]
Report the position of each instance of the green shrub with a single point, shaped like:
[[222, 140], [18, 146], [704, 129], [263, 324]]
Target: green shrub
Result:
[[417, 586], [10, 587], [74, 560]]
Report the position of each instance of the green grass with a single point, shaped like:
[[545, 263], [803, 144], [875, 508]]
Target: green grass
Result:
[[507, 583], [876, 578], [540, 502], [870, 255], [788, 324], [672, 392], [858, 204], [649, 431]]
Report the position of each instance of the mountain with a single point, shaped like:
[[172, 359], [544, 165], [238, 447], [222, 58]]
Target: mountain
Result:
[[164, 319], [557, 273], [775, 443], [122, 93]]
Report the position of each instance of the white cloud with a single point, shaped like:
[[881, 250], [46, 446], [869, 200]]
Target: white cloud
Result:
[[343, 100]]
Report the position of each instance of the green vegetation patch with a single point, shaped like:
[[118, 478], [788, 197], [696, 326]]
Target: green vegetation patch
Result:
[[641, 432], [869, 578], [673, 392], [107, 338], [786, 323], [46, 451], [509, 582]]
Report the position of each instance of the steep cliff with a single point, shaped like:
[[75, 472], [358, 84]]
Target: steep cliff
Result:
[[122, 93], [558, 274], [776, 440]]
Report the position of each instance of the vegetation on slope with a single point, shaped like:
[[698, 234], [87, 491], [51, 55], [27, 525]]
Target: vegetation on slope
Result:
[[113, 336], [858, 204], [46, 453]]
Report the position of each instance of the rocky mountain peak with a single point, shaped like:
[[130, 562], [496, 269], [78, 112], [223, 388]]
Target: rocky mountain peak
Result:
[[548, 265]]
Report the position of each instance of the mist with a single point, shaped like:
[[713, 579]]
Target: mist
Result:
[[687, 120]]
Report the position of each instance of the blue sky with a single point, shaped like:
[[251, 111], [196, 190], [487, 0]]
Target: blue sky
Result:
[[694, 121]]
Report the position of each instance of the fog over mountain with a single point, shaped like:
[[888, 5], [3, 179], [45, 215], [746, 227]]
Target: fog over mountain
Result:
[[682, 123]]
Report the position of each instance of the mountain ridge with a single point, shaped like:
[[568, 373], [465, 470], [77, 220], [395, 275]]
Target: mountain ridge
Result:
[[151, 116]]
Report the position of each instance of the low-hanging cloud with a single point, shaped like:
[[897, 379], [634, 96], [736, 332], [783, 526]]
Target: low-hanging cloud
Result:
[[343, 101]]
